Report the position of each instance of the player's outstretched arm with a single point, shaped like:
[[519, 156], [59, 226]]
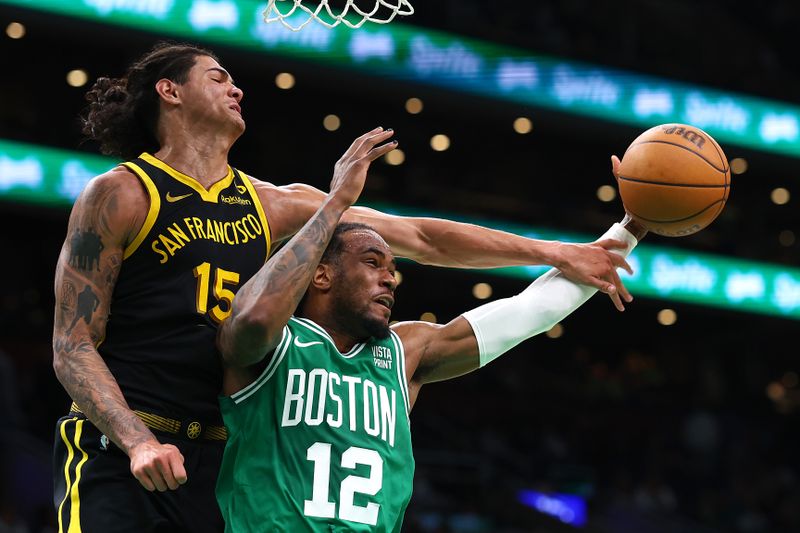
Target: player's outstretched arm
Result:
[[104, 218], [440, 242], [263, 305], [439, 352]]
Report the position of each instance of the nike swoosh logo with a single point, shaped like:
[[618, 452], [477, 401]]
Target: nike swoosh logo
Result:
[[171, 198], [305, 344]]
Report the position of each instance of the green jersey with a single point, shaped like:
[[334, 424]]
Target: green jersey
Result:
[[321, 440]]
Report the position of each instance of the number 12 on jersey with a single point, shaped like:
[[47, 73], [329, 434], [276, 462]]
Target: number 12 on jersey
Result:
[[319, 505]]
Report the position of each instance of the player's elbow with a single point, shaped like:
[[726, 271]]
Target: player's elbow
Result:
[[58, 364], [64, 351], [245, 340]]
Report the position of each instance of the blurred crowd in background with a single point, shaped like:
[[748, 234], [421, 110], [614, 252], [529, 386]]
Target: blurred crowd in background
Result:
[[738, 45]]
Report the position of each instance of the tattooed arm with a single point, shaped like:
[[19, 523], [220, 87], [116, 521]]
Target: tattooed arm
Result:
[[105, 217], [440, 242], [263, 305]]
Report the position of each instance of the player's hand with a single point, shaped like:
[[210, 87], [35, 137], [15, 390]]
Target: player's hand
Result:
[[629, 223], [350, 171], [157, 466], [596, 265]]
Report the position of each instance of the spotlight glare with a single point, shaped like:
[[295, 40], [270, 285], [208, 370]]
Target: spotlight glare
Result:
[[523, 125], [414, 106], [440, 142], [780, 196], [395, 157], [738, 165], [284, 81], [606, 193], [667, 317], [428, 317], [15, 30], [331, 122], [482, 291], [77, 78]]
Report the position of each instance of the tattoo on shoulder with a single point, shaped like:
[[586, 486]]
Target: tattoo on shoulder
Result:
[[85, 248]]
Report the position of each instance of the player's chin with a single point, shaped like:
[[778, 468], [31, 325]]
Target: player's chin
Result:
[[381, 311], [378, 325], [237, 119]]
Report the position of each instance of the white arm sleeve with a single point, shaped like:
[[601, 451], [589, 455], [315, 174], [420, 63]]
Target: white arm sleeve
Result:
[[503, 324]]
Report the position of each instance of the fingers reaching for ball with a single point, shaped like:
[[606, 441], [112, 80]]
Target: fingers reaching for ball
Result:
[[615, 166]]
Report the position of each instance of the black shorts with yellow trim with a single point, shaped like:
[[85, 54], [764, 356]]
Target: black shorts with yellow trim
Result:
[[94, 490]]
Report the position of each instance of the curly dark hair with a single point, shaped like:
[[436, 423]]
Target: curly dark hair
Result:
[[122, 114]]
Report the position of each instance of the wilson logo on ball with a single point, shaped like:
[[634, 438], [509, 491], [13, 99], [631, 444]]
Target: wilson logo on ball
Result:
[[690, 135]]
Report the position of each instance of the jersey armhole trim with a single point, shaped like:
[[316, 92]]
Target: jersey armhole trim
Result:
[[401, 369], [152, 212], [259, 208], [277, 357]]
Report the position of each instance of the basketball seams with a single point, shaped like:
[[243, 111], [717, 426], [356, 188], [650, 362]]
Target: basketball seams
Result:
[[666, 185], [675, 220], [669, 184], [724, 170], [718, 149]]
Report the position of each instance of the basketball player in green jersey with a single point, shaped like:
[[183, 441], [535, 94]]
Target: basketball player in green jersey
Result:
[[319, 388], [156, 249]]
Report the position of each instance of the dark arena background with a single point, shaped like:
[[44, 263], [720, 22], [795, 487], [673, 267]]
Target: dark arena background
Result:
[[678, 415]]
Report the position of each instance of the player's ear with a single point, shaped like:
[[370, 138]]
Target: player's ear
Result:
[[322, 278], [167, 90]]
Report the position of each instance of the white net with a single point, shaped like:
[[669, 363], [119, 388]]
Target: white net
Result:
[[299, 14]]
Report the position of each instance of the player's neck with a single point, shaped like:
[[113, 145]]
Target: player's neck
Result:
[[204, 157], [343, 340]]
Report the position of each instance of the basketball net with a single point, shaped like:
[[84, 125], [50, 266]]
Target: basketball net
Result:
[[383, 12]]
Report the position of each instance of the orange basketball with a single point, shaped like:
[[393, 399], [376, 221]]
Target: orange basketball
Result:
[[674, 179]]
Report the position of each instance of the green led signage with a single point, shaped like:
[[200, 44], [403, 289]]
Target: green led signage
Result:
[[406, 53], [39, 175]]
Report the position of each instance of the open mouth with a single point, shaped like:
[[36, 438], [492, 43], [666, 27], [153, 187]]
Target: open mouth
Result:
[[386, 301]]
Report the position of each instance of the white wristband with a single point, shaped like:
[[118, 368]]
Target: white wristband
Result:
[[503, 324]]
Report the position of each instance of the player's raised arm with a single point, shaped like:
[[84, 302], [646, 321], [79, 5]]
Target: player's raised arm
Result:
[[439, 352], [440, 242], [263, 305], [103, 220]]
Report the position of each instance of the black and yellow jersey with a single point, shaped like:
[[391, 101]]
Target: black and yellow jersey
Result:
[[176, 283]]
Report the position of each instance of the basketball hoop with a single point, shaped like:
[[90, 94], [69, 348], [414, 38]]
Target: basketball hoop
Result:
[[295, 18]]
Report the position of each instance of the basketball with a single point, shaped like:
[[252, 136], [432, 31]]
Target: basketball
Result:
[[674, 179]]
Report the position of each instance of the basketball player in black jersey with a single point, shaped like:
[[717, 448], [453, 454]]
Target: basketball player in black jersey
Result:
[[155, 251]]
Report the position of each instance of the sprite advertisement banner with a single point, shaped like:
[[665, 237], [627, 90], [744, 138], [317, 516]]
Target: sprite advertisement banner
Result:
[[38, 175], [407, 53]]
